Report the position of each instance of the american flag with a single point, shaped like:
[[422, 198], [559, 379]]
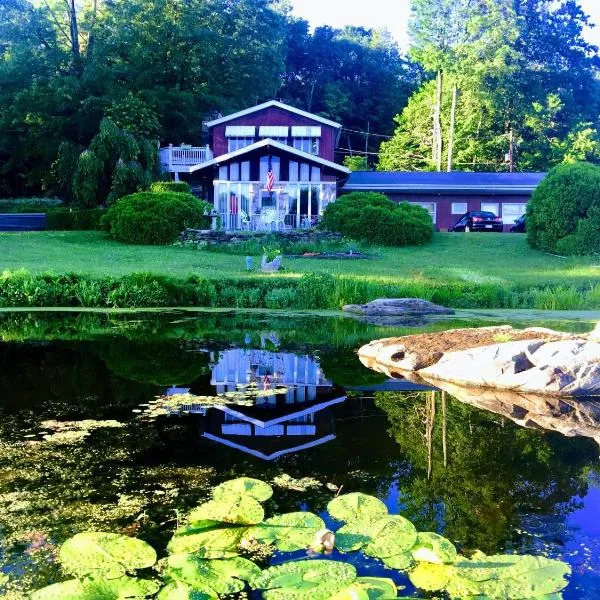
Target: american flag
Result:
[[270, 177]]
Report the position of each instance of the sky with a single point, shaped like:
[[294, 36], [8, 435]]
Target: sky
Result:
[[391, 14]]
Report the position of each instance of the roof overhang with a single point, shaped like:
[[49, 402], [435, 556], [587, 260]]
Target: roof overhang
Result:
[[441, 189], [270, 144], [277, 104]]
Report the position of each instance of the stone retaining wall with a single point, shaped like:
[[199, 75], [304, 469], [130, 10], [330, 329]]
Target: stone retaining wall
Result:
[[198, 236]]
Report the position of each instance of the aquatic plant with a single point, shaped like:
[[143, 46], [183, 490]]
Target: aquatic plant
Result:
[[204, 557]]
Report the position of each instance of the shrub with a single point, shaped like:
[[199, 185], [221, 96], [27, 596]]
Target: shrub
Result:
[[63, 219], [171, 186], [564, 212], [154, 218], [374, 218], [29, 205]]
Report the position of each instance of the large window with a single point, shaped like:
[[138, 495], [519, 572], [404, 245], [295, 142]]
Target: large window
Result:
[[237, 143], [264, 168], [459, 208], [430, 207], [310, 145], [511, 212], [492, 207]]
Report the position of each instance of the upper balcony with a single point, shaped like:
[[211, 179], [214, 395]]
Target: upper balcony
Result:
[[178, 159]]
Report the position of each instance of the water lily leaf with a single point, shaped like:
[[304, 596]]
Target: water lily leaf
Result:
[[92, 589], [353, 536], [177, 590], [107, 555], [257, 489], [235, 509], [357, 507], [434, 548], [289, 532], [305, 579], [211, 577], [391, 536], [400, 562], [509, 576], [431, 577], [377, 588], [207, 542]]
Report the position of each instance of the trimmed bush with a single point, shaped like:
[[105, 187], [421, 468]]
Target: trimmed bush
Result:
[[155, 218], [64, 219], [171, 186], [374, 218], [564, 212]]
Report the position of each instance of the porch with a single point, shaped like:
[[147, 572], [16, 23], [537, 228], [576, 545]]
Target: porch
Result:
[[178, 159], [290, 205]]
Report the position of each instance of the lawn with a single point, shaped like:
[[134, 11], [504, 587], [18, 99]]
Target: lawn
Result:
[[498, 259]]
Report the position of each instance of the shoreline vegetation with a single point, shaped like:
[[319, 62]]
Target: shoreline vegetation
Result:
[[84, 269]]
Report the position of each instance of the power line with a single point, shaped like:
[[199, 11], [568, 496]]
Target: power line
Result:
[[351, 151], [367, 133]]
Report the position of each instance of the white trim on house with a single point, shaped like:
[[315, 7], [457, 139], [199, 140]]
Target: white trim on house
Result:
[[269, 104], [426, 188], [273, 144]]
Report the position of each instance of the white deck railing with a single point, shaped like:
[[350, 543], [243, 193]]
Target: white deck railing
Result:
[[267, 221], [180, 158]]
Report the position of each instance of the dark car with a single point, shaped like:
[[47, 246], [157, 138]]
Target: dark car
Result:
[[478, 220], [520, 226]]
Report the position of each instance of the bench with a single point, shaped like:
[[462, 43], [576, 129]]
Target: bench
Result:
[[22, 221]]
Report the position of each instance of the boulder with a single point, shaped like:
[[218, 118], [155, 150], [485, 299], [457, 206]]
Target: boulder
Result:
[[398, 307], [594, 335]]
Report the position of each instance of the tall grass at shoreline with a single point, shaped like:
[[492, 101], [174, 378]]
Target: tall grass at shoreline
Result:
[[308, 291]]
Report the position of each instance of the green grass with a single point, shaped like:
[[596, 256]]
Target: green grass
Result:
[[462, 270], [501, 259]]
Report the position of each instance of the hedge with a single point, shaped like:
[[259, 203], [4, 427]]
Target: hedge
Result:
[[171, 186], [155, 217]]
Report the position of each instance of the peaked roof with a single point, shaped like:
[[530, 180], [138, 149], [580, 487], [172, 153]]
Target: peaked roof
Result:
[[440, 183], [269, 104], [269, 143]]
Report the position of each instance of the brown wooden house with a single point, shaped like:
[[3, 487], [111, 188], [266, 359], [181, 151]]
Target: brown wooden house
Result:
[[297, 147]]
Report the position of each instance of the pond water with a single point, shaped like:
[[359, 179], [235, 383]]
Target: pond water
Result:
[[84, 443]]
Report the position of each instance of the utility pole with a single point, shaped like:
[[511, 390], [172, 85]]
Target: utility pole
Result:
[[367, 142], [511, 151]]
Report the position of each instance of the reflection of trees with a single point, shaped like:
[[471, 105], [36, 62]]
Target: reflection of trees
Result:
[[495, 470]]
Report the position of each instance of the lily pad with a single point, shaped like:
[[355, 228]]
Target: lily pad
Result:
[[434, 548], [353, 536], [177, 590], [391, 536], [107, 555], [212, 577], [304, 580], [92, 589], [430, 576], [377, 588], [289, 532], [235, 509], [509, 576], [242, 486], [207, 542], [400, 562], [357, 507]]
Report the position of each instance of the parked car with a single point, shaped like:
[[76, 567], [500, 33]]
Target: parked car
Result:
[[478, 220], [519, 226]]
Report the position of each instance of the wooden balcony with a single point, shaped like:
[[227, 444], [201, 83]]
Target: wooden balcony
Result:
[[177, 159]]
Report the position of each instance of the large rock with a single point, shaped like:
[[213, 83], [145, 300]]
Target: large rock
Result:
[[398, 307], [565, 367]]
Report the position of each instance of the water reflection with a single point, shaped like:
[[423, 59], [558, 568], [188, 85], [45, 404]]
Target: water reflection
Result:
[[491, 473]]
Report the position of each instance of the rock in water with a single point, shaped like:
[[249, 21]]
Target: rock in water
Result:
[[398, 307]]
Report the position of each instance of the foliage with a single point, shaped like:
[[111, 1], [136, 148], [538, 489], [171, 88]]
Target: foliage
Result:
[[105, 557], [356, 163], [171, 186], [563, 215], [154, 217], [64, 219], [372, 217]]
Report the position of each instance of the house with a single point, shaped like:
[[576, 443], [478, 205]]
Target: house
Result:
[[447, 196], [269, 167]]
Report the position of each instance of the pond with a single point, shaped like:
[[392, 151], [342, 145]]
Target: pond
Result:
[[123, 422]]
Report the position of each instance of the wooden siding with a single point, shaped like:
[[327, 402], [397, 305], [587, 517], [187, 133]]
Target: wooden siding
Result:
[[444, 217], [274, 116]]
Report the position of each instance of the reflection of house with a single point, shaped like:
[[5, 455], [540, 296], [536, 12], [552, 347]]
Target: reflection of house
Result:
[[297, 418], [301, 374], [296, 146], [271, 432]]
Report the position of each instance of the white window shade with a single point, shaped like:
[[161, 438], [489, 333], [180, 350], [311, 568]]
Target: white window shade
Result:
[[273, 131], [240, 131], [307, 132], [511, 212]]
